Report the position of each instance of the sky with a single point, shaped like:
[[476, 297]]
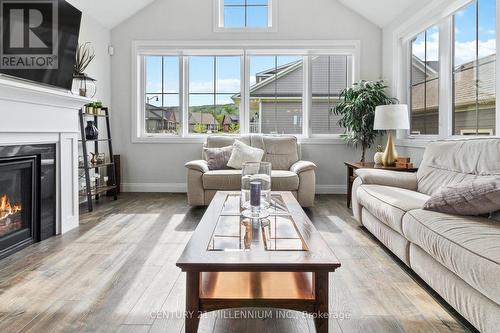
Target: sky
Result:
[[225, 71], [465, 34]]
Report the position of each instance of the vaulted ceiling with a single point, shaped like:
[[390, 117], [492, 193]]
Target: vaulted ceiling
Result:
[[111, 12]]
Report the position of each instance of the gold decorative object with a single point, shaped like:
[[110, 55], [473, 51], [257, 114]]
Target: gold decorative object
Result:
[[390, 155], [389, 118], [378, 155]]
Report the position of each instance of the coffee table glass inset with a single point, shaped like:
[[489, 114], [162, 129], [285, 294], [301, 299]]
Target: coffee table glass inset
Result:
[[234, 232]]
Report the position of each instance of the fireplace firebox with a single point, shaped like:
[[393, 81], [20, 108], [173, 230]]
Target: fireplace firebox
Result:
[[27, 196]]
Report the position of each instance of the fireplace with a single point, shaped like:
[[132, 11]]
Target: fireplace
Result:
[[27, 196]]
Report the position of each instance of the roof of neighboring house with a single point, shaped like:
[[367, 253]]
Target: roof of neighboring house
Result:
[[166, 113], [465, 86], [289, 79], [201, 118], [231, 118]]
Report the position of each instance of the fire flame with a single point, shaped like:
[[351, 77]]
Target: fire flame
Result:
[[6, 209]]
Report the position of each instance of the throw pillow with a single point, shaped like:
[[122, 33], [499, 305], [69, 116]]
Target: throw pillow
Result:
[[476, 197], [243, 153], [217, 158]]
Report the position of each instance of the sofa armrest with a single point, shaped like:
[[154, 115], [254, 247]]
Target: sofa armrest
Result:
[[406, 180], [301, 166], [198, 165]]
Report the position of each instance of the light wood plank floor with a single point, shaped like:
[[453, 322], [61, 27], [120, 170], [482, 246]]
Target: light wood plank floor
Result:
[[117, 273]]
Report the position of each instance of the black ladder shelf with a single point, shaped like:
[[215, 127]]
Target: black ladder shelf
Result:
[[89, 192]]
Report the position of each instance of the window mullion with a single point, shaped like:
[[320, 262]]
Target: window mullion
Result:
[[446, 77], [307, 96], [184, 91]]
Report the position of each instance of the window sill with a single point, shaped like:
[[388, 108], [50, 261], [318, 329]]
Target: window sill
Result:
[[327, 140]]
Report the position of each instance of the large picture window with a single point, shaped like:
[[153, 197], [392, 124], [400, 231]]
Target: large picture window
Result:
[[276, 86], [424, 90], [162, 95], [330, 76], [214, 81], [195, 92], [474, 88]]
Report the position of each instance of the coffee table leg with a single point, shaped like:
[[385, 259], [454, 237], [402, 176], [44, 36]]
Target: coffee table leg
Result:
[[321, 308], [192, 302]]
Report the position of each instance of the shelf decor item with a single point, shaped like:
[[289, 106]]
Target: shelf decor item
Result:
[[256, 189], [389, 118], [378, 155], [91, 131], [83, 84]]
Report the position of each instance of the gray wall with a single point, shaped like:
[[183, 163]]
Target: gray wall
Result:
[[160, 167]]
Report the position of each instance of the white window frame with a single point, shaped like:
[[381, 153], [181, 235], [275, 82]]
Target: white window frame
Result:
[[245, 49], [272, 19], [440, 14]]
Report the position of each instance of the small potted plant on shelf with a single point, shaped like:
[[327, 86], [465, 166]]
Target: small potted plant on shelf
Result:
[[356, 112], [89, 108], [97, 107]]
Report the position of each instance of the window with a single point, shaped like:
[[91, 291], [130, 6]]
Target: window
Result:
[[276, 86], [187, 91], [245, 15], [330, 76], [474, 91], [162, 95], [424, 90], [214, 87]]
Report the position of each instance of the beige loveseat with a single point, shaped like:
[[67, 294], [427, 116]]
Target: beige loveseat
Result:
[[458, 256], [289, 172]]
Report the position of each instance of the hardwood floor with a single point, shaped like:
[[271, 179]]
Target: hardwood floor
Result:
[[117, 273]]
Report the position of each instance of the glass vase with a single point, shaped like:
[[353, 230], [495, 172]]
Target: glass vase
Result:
[[256, 172]]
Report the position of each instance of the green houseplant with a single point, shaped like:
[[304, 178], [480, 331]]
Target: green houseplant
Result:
[[356, 112]]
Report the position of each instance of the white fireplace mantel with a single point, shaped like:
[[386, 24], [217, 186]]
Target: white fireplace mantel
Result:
[[31, 114]]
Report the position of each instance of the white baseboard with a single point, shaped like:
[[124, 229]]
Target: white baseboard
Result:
[[154, 187], [182, 188], [331, 189]]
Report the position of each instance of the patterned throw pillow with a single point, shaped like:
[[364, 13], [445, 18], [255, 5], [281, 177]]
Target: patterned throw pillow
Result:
[[243, 153], [476, 197], [217, 158]]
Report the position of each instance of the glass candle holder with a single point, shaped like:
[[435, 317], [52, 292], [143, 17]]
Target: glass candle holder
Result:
[[252, 173]]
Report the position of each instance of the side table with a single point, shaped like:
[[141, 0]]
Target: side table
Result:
[[351, 166]]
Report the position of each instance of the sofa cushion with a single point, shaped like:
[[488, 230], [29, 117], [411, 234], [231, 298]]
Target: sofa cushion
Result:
[[450, 162], [282, 180], [389, 204], [230, 180], [281, 151], [242, 154], [223, 180], [217, 158], [476, 197], [468, 246]]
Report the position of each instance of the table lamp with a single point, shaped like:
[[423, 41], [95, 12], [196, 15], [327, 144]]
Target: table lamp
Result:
[[391, 117]]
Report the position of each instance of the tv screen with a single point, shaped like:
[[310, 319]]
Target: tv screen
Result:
[[39, 40]]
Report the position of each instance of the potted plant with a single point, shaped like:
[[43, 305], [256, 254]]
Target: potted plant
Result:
[[83, 84], [97, 107], [356, 112], [89, 108]]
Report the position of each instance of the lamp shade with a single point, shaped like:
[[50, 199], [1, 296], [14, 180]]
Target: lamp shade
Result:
[[391, 117]]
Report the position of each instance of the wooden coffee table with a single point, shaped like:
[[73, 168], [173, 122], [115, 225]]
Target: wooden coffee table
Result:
[[234, 262]]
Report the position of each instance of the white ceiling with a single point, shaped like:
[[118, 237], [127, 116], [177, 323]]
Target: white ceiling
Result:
[[380, 12], [110, 13]]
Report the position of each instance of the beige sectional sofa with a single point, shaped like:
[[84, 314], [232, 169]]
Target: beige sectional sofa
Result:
[[289, 173], [458, 256]]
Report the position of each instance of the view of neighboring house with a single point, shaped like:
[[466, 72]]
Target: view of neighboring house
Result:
[[203, 122], [161, 120], [230, 123], [425, 116], [277, 96]]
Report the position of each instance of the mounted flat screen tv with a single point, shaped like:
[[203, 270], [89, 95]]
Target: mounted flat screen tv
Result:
[[39, 40]]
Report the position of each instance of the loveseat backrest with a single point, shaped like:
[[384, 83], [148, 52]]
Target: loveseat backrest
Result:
[[450, 162], [281, 151]]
